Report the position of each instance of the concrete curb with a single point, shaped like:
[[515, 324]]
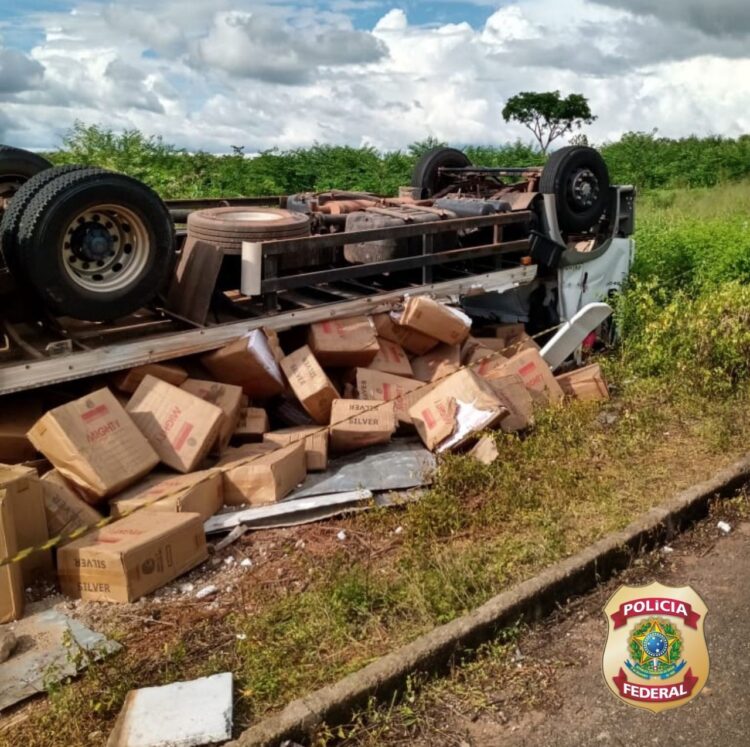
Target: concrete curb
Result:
[[528, 601]]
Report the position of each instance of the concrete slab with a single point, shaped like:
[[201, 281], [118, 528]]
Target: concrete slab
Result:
[[182, 714]]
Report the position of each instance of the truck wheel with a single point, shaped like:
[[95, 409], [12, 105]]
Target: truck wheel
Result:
[[426, 174], [16, 207], [16, 167], [96, 246], [579, 179]]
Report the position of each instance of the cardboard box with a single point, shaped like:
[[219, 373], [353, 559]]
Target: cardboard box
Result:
[[586, 384], [445, 323], [438, 363], [181, 427], [64, 508], [131, 557], [385, 387], [456, 409], [312, 387], [316, 443], [514, 339], [252, 424], [533, 370], [129, 381], [17, 416], [228, 398], [476, 348], [359, 423], [95, 444], [409, 339], [344, 342], [266, 478], [197, 493], [11, 578], [510, 390], [391, 359], [249, 363], [23, 489]]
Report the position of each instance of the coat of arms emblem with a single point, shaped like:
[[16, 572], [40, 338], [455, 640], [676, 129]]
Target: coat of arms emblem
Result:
[[655, 656]]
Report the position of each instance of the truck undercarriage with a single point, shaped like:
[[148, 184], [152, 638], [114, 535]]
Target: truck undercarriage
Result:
[[101, 275]]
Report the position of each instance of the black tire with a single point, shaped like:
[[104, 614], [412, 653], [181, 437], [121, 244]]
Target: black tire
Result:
[[17, 166], [96, 246], [426, 175], [12, 217], [579, 179]]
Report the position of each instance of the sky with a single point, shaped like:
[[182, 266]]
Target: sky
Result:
[[209, 74]]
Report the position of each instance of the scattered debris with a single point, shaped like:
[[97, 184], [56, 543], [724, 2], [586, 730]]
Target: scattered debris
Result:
[[206, 591], [50, 648], [341, 536], [485, 450], [723, 527], [7, 644], [181, 714]]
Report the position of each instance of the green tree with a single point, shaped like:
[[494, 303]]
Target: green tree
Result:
[[547, 115]]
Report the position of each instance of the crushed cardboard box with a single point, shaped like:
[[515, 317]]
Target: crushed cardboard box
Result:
[[315, 439], [438, 363], [265, 478], [17, 416], [359, 423], [312, 387], [252, 424], [65, 509], [131, 557], [129, 381], [95, 444], [447, 324], [11, 579], [23, 489], [510, 390], [533, 370], [586, 384], [227, 397], [344, 343], [196, 493], [251, 363], [385, 387], [409, 339], [391, 359], [456, 409], [181, 427]]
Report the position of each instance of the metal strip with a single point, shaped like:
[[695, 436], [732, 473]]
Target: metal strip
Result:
[[16, 377]]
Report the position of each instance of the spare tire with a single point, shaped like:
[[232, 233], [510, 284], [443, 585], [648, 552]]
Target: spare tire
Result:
[[579, 179], [426, 173], [249, 221], [226, 228], [16, 167], [96, 245], [12, 217]]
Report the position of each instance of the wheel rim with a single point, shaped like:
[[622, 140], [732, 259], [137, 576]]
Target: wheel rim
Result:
[[583, 189], [9, 185], [105, 248]]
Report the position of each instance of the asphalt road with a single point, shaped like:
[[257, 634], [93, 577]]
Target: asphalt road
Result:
[[582, 710]]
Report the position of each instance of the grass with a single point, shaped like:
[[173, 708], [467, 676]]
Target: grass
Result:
[[478, 530], [316, 609]]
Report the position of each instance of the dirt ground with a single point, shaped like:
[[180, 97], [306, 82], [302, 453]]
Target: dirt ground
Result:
[[549, 689]]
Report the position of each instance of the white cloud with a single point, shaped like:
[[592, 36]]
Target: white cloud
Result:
[[230, 72]]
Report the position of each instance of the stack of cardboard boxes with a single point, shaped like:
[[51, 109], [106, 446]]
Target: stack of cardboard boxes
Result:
[[244, 428]]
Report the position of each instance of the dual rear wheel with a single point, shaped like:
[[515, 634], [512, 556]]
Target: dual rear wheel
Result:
[[89, 243]]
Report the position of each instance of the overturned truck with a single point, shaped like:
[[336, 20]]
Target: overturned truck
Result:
[[99, 274]]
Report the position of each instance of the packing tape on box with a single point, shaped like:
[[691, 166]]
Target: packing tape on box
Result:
[[81, 531]]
